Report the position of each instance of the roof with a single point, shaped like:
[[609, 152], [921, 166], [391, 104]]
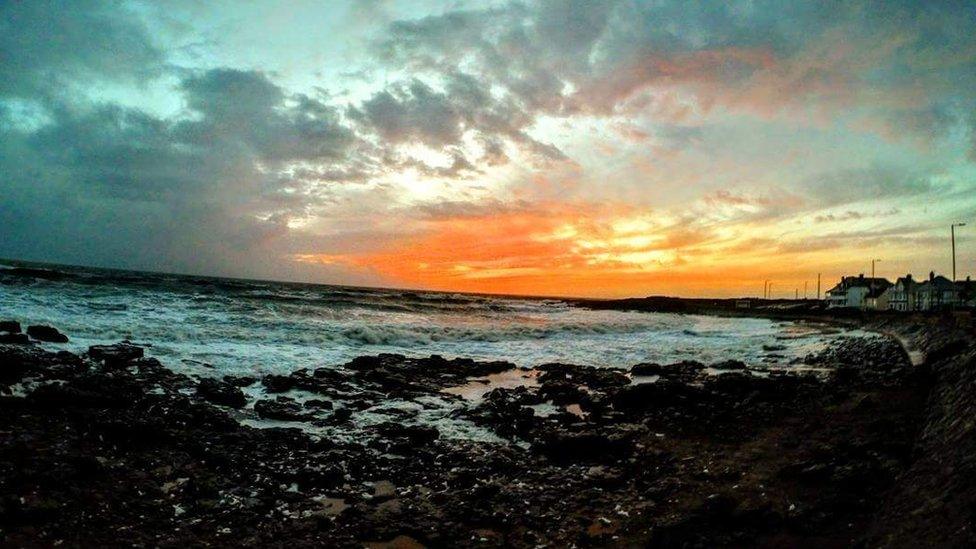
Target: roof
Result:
[[876, 286], [937, 283], [906, 281]]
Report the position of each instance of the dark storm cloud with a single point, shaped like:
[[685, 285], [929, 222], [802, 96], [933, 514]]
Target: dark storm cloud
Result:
[[47, 45], [214, 186], [564, 57], [412, 112], [415, 112], [202, 193]]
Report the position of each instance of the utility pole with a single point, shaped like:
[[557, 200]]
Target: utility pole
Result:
[[872, 269], [818, 286], [952, 231], [804, 290], [766, 290], [770, 290], [796, 294]]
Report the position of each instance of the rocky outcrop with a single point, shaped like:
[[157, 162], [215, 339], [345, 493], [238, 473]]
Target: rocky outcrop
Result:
[[221, 392], [581, 456], [10, 326], [46, 333], [118, 355], [933, 503]]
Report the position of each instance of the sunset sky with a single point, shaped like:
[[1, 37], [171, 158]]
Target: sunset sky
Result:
[[558, 148]]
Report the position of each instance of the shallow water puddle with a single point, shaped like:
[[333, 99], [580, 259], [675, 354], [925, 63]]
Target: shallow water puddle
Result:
[[477, 388]]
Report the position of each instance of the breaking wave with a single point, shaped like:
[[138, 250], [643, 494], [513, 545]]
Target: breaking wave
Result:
[[241, 326]]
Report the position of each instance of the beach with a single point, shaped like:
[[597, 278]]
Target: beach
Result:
[[782, 425], [112, 447]]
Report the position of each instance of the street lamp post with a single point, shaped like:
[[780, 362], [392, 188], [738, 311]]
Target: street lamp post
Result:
[[952, 231]]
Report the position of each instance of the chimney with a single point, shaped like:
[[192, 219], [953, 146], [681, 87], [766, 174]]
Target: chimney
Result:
[[861, 276], [931, 275], [908, 277]]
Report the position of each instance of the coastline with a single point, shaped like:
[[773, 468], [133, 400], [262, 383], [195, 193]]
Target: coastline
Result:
[[114, 441]]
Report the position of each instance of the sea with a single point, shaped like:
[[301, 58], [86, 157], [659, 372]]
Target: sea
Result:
[[217, 326]]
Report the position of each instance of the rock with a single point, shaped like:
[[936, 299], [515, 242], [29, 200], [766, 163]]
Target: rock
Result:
[[646, 369], [730, 365], [46, 333], [14, 338], [684, 370], [591, 445], [10, 326], [115, 356], [221, 392], [278, 384], [240, 381], [318, 404], [283, 410], [341, 414], [415, 434], [383, 489]]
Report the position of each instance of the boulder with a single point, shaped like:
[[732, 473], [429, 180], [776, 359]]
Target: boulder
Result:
[[280, 409], [221, 392], [118, 355], [14, 338], [415, 434], [46, 333], [278, 384], [646, 369], [730, 365], [10, 326]]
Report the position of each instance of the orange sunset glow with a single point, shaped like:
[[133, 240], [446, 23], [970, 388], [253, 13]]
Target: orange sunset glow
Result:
[[587, 149]]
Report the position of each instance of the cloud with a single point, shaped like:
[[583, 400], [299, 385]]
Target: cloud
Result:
[[499, 143], [873, 183], [209, 191], [51, 48]]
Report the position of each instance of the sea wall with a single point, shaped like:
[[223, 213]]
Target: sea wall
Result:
[[933, 503]]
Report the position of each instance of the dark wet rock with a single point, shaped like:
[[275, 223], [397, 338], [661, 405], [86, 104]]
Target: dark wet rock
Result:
[[654, 395], [118, 355], [318, 404], [278, 384], [728, 460], [341, 414], [588, 376], [221, 392], [10, 326], [415, 434], [505, 411], [14, 338], [282, 410], [563, 393], [730, 365], [240, 381], [591, 445], [396, 374], [46, 333], [685, 370], [646, 369]]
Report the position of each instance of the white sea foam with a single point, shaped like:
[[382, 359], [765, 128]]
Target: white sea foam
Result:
[[240, 327]]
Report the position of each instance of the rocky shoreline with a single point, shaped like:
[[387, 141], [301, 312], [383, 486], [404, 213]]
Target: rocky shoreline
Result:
[[113, 448]]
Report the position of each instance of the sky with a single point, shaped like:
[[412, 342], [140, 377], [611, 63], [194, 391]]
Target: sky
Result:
[[565, 147]]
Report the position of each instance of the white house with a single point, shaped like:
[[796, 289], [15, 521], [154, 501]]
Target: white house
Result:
[[857, 292], [902, 296]]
